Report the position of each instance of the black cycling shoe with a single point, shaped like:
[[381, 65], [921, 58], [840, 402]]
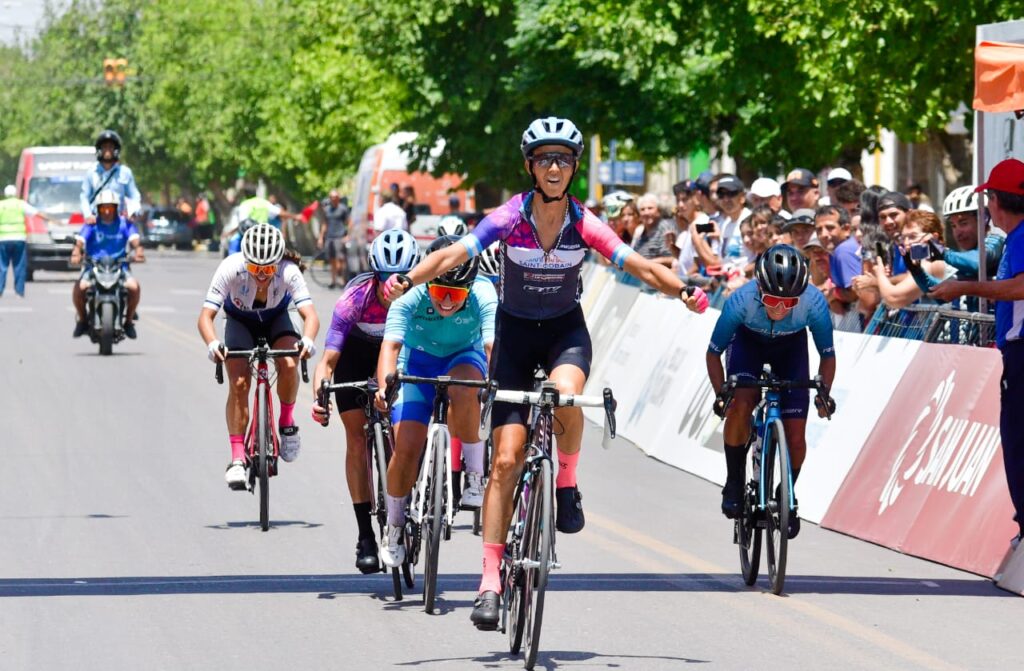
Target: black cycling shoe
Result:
[[367, 559], [569, 518], [81, 328], [794, 525], [732, 499], [485, 611], [129, 330]]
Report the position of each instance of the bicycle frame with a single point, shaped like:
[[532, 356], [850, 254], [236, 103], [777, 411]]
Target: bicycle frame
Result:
[[767, 411], [264, 379]]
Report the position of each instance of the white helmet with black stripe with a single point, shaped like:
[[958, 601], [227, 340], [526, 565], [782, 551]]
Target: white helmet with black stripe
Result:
[[394, 251], [552, 130], [960, 200], [263, 245]]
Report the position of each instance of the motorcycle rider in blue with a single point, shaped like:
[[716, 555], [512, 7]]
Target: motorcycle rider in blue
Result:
[[109, 174], [110, 236], [766, 322], [445, 327]]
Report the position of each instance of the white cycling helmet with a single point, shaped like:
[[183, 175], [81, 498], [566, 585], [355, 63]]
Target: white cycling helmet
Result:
[[394, 251], [451, 225], [552, 130], [263, 245], [959, 200], [615, 201], [489, 262], [107, 197]]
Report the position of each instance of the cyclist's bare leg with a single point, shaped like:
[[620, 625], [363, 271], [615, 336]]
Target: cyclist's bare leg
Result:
[[287, 370], [464, 411], [134, 295], [570, 380], [737, 416], [355, 455], [410, 437], [237, 410], [796, 440], [505, 470]]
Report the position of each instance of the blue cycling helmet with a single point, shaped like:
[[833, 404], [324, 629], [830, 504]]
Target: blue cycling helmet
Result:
[[394, 251]]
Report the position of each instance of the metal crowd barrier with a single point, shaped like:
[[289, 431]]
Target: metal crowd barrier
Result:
[[934, 323]]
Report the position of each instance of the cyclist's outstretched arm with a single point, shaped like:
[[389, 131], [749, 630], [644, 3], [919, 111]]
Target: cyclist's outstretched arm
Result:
[[662, 279], [438, 262]]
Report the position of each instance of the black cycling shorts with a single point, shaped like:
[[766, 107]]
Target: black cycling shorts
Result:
[[242, 333], [747, 354], [357, 361], [523, 345]]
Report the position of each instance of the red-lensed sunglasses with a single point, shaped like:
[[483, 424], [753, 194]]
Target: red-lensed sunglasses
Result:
[[773, 302], [261, 271], [439, 292]]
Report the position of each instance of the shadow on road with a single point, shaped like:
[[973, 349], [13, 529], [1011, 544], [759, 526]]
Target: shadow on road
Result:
[[302, 524], [551, 659], [329, 586]]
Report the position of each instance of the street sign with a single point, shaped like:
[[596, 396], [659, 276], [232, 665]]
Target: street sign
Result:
[[627, 173]]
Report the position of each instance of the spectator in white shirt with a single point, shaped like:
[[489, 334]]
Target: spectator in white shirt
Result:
[[389, 215]]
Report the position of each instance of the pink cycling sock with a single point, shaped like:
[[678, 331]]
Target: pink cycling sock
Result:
[[237, 446], [287, 414], [456, 455], [566, 469], [491, 580]]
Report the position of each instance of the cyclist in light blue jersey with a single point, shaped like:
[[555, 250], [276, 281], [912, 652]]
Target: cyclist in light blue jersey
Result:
[[767, 322], [445, 327]]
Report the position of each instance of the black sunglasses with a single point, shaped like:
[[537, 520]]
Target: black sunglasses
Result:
[[563, 160]]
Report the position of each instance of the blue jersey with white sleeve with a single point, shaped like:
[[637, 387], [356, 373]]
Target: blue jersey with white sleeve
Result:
[[744, 309]]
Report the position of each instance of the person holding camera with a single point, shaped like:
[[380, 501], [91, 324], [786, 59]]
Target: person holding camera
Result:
[[920, 227]]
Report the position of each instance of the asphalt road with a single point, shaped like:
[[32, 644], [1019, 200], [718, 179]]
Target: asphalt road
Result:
[[122, 548]]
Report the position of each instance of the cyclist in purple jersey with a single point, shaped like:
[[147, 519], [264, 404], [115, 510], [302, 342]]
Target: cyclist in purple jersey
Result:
[[543, 236], [350, 355]]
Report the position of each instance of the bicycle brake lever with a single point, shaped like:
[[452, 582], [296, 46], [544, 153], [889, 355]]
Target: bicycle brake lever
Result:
[[219, 374], [609, 411], [305, 371]]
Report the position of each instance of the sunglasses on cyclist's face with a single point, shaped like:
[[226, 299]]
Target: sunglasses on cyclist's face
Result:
[[774, 302], [563, 160], [261, 272], [440, 292]]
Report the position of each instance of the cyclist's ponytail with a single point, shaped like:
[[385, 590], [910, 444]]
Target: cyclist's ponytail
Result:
[[294, 257]]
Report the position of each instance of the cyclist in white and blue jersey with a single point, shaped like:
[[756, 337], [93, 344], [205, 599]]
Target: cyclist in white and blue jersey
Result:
[[445, 327], [766, 322]]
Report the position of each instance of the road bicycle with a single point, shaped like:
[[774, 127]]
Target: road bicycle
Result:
[[379, 448], [530, 545], [431, 507], [768, 500], [262, 445]]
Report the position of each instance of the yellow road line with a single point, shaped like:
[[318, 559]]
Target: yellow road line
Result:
[[822, 615]]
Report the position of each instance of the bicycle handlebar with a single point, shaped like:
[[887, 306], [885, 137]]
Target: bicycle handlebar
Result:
[[545, 397], [775, 384], [260, 353]]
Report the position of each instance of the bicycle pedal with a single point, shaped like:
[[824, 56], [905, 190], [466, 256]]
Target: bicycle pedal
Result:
[[554, 565]]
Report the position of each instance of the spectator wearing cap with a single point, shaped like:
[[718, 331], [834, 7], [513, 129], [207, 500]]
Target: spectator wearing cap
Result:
[[731, 193], [649, 240], [818, 263], [766, 191], [836, 177], [800, 227], [892, 209], [801, 190], [832, 228], [1005, 191]]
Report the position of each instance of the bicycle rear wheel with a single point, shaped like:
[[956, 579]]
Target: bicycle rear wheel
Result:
[[433, 526], [538, 542], [263, 439], [320, 269], [748, 531], [777, 494]]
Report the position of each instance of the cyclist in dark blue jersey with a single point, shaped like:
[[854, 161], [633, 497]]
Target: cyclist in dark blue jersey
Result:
[[767, 322]]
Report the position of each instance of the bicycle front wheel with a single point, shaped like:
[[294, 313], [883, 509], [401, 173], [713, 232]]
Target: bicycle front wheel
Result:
[[513, 595], [777, 496], [433, 526], [320, 269], [263, 439], [538, 541], [749, 529]]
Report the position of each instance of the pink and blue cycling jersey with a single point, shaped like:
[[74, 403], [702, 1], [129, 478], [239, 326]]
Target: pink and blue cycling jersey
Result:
[[357, 313], [535, 285]]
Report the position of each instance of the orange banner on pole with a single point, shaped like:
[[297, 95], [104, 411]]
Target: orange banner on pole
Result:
[[999, 77]]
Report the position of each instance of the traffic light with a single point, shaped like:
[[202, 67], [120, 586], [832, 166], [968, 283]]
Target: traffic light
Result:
[[114, 71]]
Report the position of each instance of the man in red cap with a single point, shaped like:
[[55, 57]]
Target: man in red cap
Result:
[[1005, 191]]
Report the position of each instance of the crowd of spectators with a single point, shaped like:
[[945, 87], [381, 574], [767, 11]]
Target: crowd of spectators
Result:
[[866, 246]]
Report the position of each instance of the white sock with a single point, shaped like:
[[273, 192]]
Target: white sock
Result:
[[473, 456], [396, 510]]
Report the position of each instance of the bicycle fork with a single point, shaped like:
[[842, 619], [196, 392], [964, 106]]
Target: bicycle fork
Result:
[[426, 468]]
